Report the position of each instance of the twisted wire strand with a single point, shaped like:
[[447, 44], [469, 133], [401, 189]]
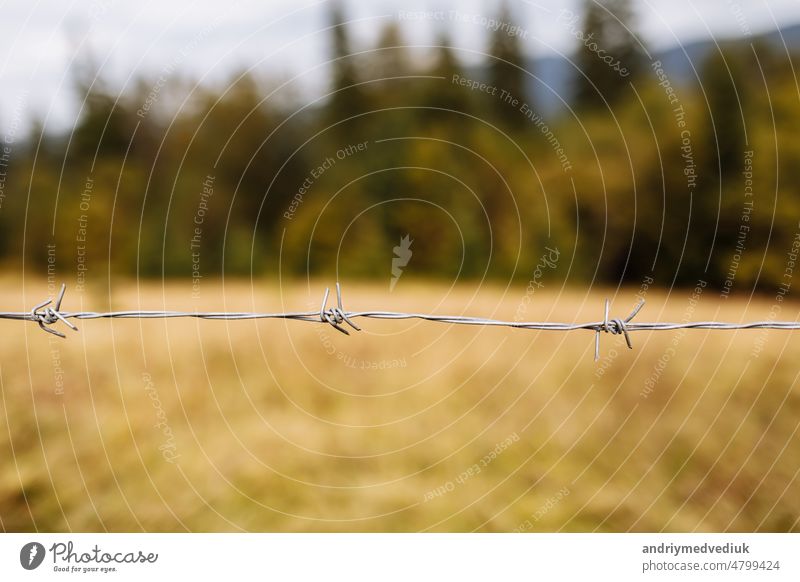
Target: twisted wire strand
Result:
[[46, 315]]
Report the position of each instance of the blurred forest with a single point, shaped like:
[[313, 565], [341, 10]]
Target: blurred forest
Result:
[[635, 175]]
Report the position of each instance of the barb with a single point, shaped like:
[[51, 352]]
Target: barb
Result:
[[50, 315], [336, 315], [618, 326], [46, 316]]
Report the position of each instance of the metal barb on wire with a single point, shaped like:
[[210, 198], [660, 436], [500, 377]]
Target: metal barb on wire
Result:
[[336, 315], [46, 316], [617, 326], [51, 315]]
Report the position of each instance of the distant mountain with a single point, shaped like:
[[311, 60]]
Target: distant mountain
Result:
[[556, 73]]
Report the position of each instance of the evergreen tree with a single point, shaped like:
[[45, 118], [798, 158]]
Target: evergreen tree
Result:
[[445, 94], [347, 98], [390, 59], [724, 82], [609, 55], [507, 67], [386, 66], [104, 122], [725, 78]]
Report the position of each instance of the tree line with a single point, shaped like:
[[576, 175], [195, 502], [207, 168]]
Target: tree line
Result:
[[638, 176]]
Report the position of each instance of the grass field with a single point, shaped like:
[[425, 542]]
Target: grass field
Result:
[[290, 426]]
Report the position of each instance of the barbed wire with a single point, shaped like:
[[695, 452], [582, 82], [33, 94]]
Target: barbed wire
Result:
[[46, 316]]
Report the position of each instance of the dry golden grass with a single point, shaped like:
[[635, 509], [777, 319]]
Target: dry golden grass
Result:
[[272, 432]]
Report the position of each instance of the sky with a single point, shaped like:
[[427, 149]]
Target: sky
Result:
[[287, 38]]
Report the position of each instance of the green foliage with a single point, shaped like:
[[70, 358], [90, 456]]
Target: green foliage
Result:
[[609, 54], [347, 97], [507, 67], [255, 184]]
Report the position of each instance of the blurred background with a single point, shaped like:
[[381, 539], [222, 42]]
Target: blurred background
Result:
[[511, 159]]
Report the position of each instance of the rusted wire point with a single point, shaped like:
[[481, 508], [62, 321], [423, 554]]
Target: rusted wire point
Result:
[[614, 327], [46, 316], [335, 315]]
